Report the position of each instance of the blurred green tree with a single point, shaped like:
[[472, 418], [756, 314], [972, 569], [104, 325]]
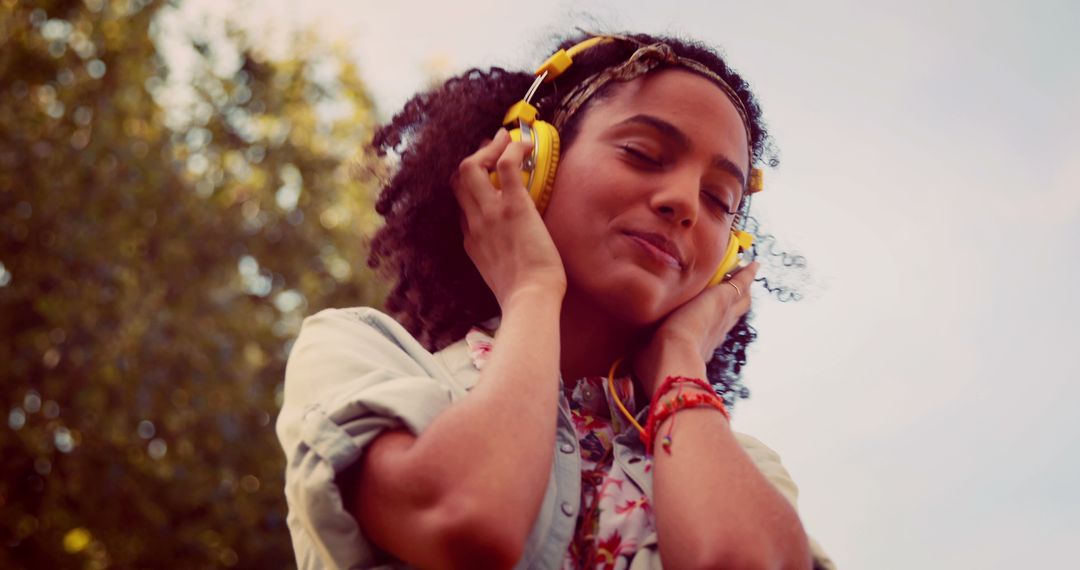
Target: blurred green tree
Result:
[[155, 263]]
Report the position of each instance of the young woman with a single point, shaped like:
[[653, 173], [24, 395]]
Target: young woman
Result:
[[570, 328]]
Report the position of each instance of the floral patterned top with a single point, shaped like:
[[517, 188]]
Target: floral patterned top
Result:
[[615, 515]]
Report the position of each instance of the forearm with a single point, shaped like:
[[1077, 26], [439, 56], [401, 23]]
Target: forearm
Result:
[[491, 453], [714, 508]]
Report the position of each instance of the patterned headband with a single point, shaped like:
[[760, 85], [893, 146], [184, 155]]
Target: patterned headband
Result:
[[646, 59]]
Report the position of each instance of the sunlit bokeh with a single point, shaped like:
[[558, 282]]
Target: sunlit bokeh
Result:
[[159, 246]]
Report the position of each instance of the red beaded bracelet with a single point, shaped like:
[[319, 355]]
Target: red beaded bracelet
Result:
[[672, 380], [659, 413]]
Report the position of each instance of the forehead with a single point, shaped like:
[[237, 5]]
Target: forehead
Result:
[[690, 101]]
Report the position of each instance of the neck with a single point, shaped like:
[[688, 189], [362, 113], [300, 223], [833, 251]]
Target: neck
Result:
[[591, 339]]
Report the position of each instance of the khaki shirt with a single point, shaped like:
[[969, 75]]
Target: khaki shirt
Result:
[[353, 373]]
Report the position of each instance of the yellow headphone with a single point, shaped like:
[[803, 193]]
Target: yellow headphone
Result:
[[538, 169]]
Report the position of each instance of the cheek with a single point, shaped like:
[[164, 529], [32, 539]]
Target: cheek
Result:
[[577, 197], [572, 174], [712, 252], [565, 221]]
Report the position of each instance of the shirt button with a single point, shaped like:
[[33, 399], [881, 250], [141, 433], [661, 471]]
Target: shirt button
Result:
[[567, 509], [567, 448]]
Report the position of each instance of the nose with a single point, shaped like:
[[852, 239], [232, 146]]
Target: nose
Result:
[[677, 200]]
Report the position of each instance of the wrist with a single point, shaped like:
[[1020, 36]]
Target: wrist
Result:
[[684, 389], [672, 358], [684, 342], [544, 295], [674, 395]]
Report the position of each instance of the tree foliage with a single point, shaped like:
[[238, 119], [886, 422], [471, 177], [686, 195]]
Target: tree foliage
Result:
[[155, 264]]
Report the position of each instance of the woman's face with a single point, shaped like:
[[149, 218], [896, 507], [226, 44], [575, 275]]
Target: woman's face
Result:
[[640, 209]]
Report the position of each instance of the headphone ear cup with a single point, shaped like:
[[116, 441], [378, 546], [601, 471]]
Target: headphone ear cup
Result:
[[545, 158], [545, 163], [730, 261]]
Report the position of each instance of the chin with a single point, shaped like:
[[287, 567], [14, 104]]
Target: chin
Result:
[[628, 294], [635, 307]]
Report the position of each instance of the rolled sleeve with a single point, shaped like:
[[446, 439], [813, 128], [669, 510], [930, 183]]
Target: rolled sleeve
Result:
[[352, 373]]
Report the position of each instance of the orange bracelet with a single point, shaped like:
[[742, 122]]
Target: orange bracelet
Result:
[[660, 413]]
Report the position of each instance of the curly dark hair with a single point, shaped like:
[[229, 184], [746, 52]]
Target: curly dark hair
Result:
[[438, 294]]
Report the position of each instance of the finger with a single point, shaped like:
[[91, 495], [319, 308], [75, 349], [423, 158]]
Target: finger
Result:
[[745, 277], [490, 149], [466, 234], [735, 290], [473, 177], [741, 306], [470, 181], [483, 160], [509, 165], [739, 283], [465, 198]]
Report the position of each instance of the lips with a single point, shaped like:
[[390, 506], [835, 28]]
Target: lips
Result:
[[660, 246]]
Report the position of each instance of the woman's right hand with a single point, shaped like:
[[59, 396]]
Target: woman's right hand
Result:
[[504, 234]]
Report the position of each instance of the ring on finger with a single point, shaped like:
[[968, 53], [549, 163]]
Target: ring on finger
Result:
[[738, 292]]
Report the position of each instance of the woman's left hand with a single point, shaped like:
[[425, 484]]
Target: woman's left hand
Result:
[[687, 338]]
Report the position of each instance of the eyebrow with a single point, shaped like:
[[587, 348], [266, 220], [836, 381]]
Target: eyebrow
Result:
[[679, 138]]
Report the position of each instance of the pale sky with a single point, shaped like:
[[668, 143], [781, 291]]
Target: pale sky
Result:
[[921, 394]]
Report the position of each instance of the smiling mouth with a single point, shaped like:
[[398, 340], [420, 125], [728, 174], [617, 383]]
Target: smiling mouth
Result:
[[654, 246]]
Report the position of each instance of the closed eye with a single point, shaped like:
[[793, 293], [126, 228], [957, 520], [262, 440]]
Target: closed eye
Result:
[[718, 203], [642, 156]]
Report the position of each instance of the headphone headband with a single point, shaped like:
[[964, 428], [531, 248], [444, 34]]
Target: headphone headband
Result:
[[538, 169]]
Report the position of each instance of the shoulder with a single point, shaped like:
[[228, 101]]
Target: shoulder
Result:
[[356, 361], [341, 355], [347, 341], [354, 323], [357, 339]]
